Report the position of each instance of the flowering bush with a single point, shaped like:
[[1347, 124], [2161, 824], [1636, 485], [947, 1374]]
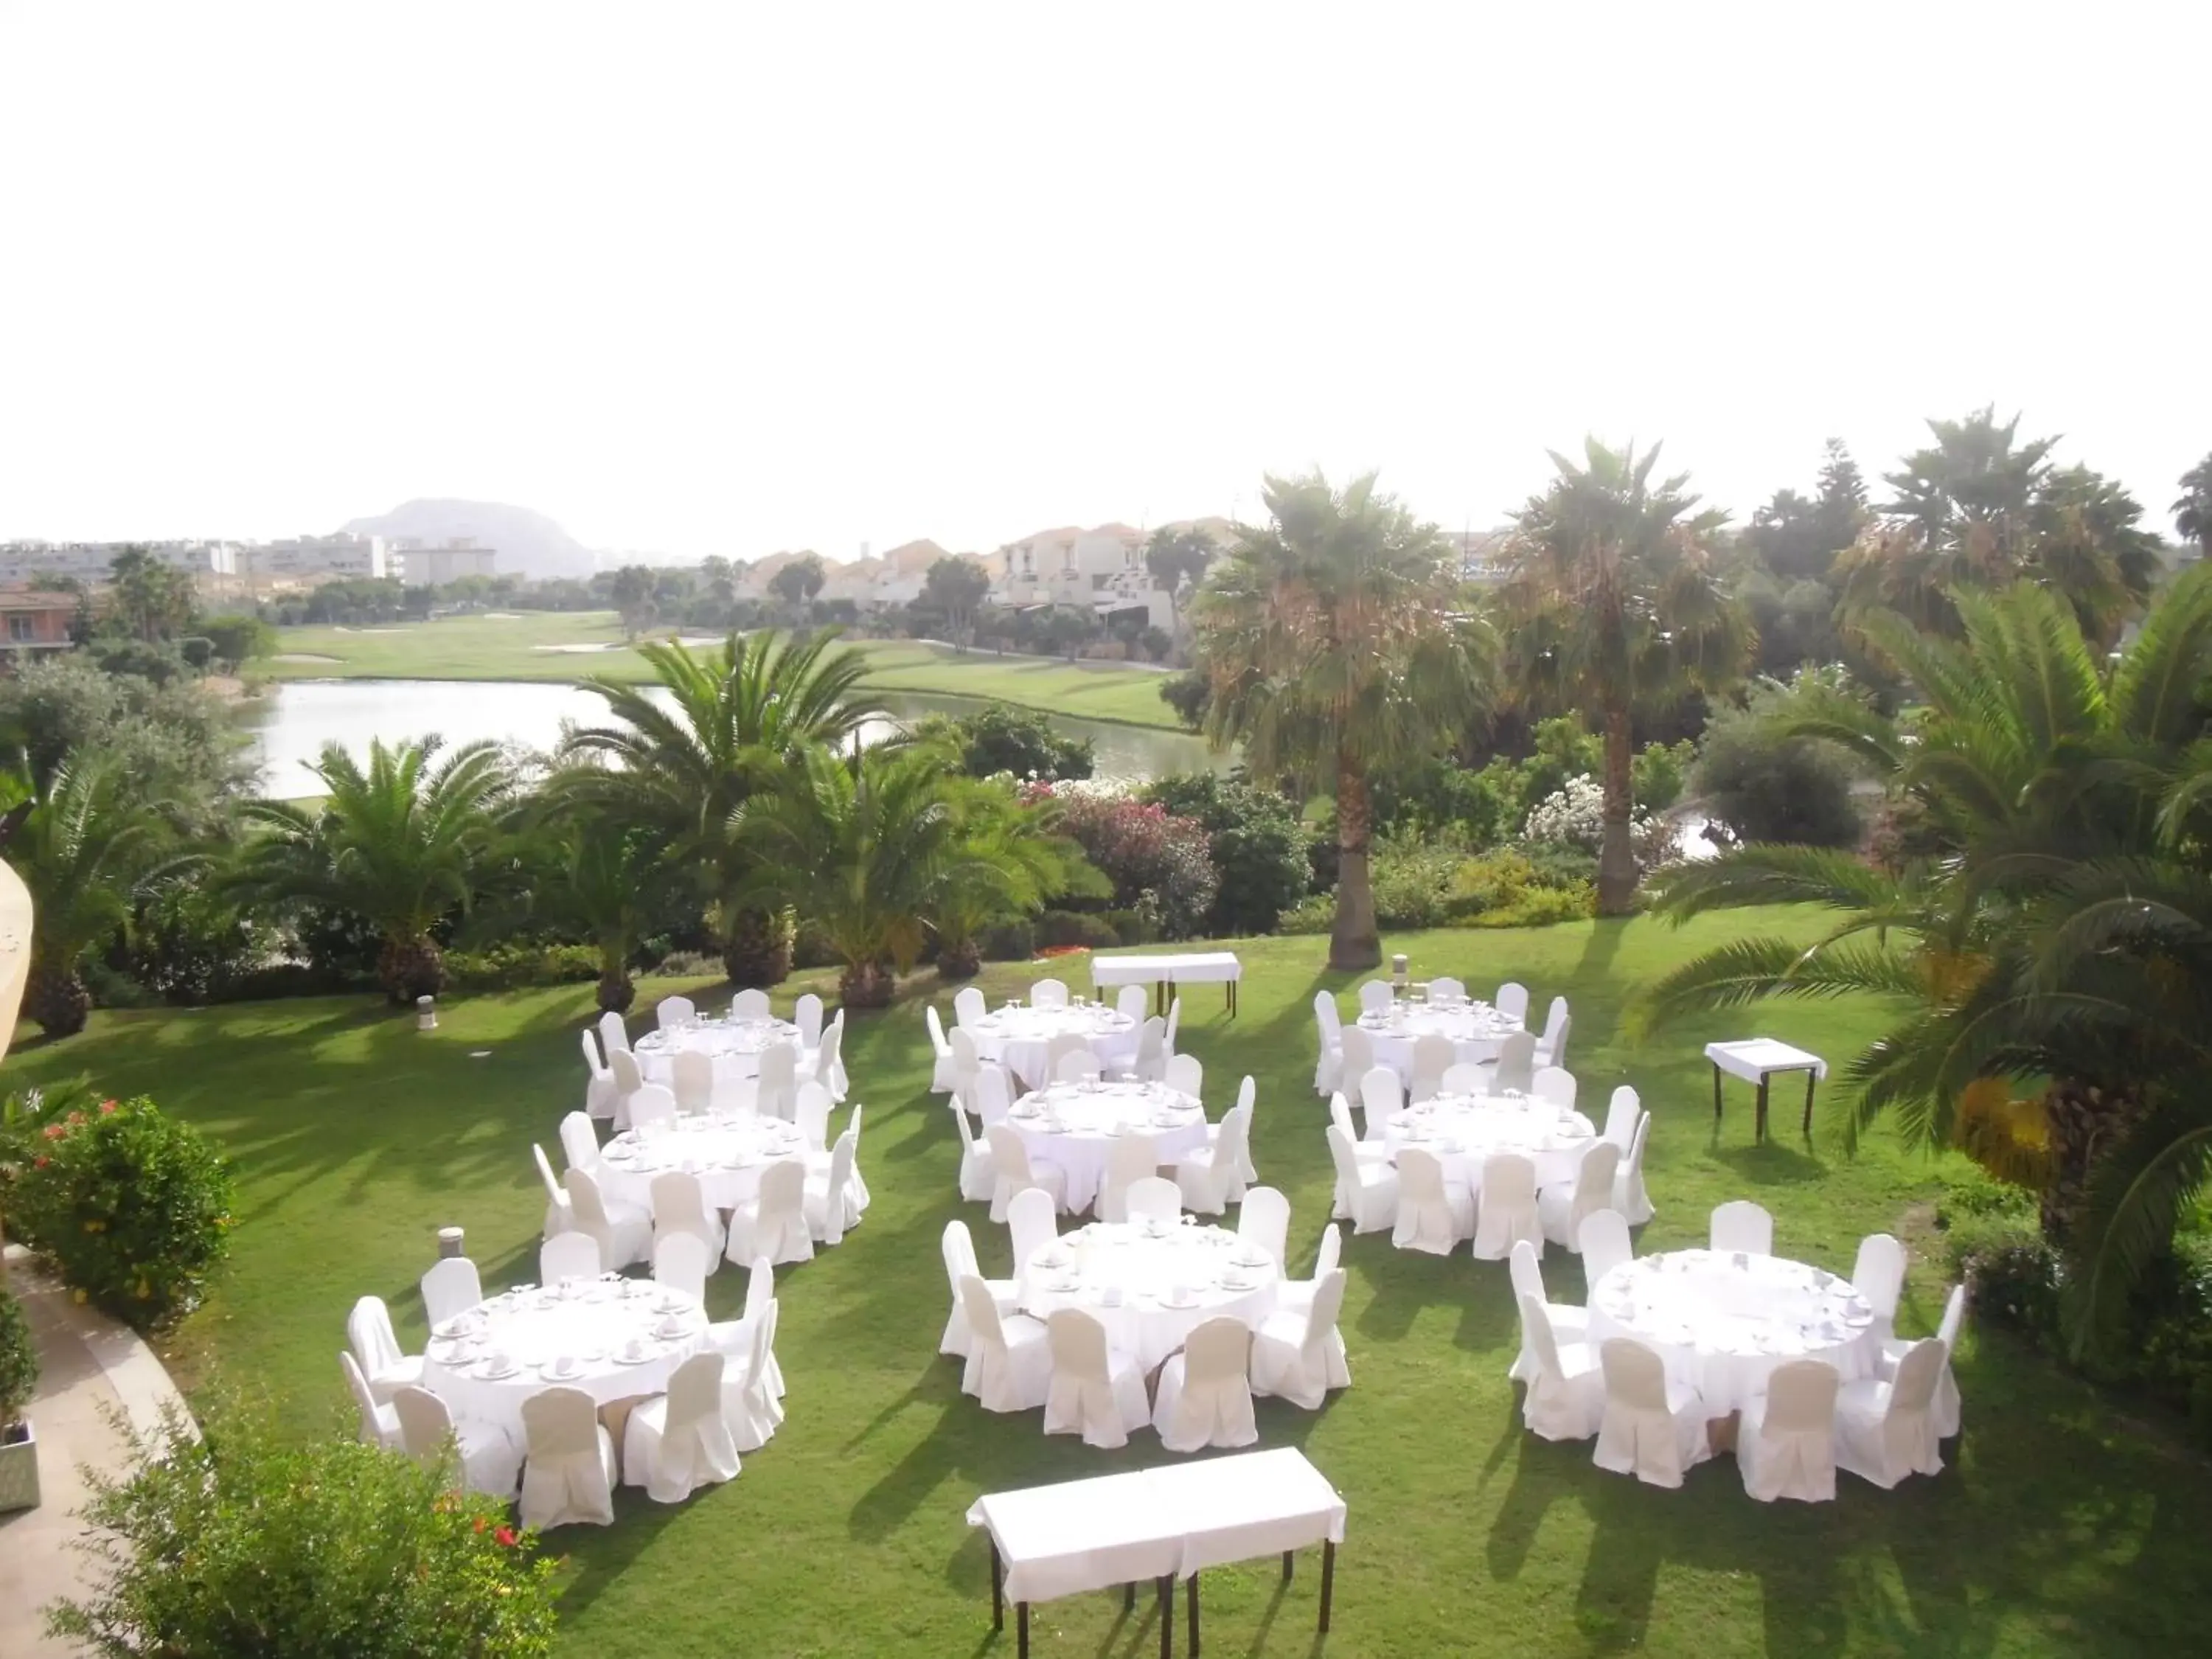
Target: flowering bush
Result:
[[1155, 861], [1574, 814], [248, 1543], [19, 1362], [130, 1206]]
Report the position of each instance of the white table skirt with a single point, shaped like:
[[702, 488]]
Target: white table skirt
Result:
[[734, 1046], [535, 1327], [1016, 1038], [1723, 1320], [1476, 1031], [727, 1156], [1145, 1268], [1465, 1131], [1092, 1121], [1193, 967]]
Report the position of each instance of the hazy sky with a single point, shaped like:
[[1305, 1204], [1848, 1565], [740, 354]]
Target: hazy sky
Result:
[[731, 278]]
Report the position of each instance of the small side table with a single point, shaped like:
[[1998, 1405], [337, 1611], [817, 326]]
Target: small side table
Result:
[[1756, 1059]]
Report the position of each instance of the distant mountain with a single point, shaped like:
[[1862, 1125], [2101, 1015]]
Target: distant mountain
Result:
[[528, 544]]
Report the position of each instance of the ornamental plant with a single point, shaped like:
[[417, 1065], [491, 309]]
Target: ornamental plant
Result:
[[246, 1544], [1574, 816], [130, 1206], [1157, 861], [19, 1362]]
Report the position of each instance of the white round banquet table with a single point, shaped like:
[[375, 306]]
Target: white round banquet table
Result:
[[1722, 1320], [1017, 1035], [1465, 1131], [626, 1336], [734, 1045], [1475, 1029], [1151, 1282], [1075, 1125], [727, 1151]]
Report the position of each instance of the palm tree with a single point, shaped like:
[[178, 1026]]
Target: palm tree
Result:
[[2192, 510], [85, 851], [689, 758], [606, 874], [1338, 639], [1030, 863], [1614, 606], [402, 844]]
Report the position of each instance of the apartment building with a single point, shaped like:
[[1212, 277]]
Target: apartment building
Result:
[[1102, 569], [436, 563], [32, 621], [89, 562]]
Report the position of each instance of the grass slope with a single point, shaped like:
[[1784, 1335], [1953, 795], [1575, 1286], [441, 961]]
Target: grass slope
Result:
[[2057, 1529], [497, 647]]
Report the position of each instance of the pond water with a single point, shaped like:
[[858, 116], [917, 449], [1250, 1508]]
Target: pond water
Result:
[[292, 721]]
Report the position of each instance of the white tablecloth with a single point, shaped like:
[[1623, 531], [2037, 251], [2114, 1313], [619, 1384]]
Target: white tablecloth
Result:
[[734, 1045], [534, 1327], [1016, 1038], [1476, 1030], [1076, 1128], [1143, 1264], [1753, 1058], [1463, 1131], [727, 1152], [1186, 967], [1723, 1320]]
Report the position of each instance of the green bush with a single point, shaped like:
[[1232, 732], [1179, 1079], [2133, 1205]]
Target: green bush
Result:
[[192, 946], [249, 1543], [1255, 842], [1540, 907], [1413, 879], [1061, 928], [19, 1361], [131, 1207], [2011, 1270], [521, 967], [1970, 1195], [1762, 786], [1134, 926], [1001, 738], [1314, 914], [1010, 941]]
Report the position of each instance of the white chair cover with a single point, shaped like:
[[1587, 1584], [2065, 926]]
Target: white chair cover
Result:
[[1740, 1224], [734, 1338], [384, 1365], [1444, 989], [1300, 1355], [623, 1230], [1369, 1189], [1358, 1051], [776, 1082], [806, 1015], [751, 1396], [450, 1287], [559, 1217], [1557, 1085], [751, 1003], [1211, 1176], [380, 1424], [679, 1206], [978, 1174], [1131, 1157], [1151, 1061], [1947, 1405], [959, 1252], [1328, 1027], [579, 1141], [1654, 1425], [773, 1223], [1512, 1000], [1264, 1218], [1185, 1075], [1074, 1066], [681, 1261], [1878, 1275], [1552, 1048], [1382, 1097], [1375, 996], [674, 1011], [967, 1005], [652, 1105], [1785, 1442], [811, 1111], [1432, 1057], [691, 1079], [1886, 1429], [991, 1095], [1129, 1003], [678, 1442], [1621, 1115], [1094, 1391], [614, 1036], [1175, 1024], [965, 1063], [941, 1078], [1154, 1198], [1059, 1045], [489, 1462], [599, 1085], [1563, 1209], [1032, 1223], [1566, 1396], [1204, 1397], [1507, 1212], [570, 1255], [1430, 1216], [1630, 1196], [826, 1064], [1299, 1293], [568, 1475], [1516, 1070], [1048, 992], [1604, 1242], [1017, 1173], [1464, 1076], [825, 1196], [627, 1081], [1009, 1360], [1567, 1324]]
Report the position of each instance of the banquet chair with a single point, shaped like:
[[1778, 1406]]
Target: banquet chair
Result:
[[823, 1196], [679, 1206], [1129, 1003], [773, 1223], [1382, 1097], [978, 1175], [1211, 1176], [1566, 1322], [652, 1106], [806, 1015], [680, 1262], [825, 1062], [1431, 1215], [678, 1442], [1061, 1044], [811, 1111], [487, 1460], [1654, 1426], [1447, 989], [1131, 1157], [1563, 1209], [1264, 1219], [1565, 1397], [1433, 1055], [1463, 1077], [942, 1078], [966, 1063], [967, 1005], [1885, 1427], [624, 1231], [734, 1337], [992, 1093], [691, 1079], [1153, 1198], [385, 1366], [450, 1287], [1362, 1152], [1630, 1195], [1204, 1395], [751, 1391], [1074, 1066], [1329, 1029], [579, 1141], [1299, 1293], [1032, 1224], [1299, 1356], [1375, 996], [1248, 1100], [775, 1085], [1740, 1224], [1018, 1171], [1048, 992], [1555, 1083], [958, 1249], [614, 1036], [1947, 1405], [1009, 1359], [568, 1467], [628, 1080], [1507, 1210], [673, 1011], [1878, 1274], [380, 1424], [1621, 1113], [1605, 1244], [599, 1087], [1095, 1390], [1551, 1046], [1785, 1439], [1369, 1189], [1512, 1000], [1174, 1025], [1152, 1058], [568, 1255], [560, 1215], [1514, 1069], [856, 1185], [751, 1003], [1186, 1075]]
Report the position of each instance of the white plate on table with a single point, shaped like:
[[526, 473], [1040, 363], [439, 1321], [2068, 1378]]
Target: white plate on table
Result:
[[1170, 1299], [487, 1372]]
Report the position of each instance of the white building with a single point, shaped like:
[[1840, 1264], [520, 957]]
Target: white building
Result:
[[90, 562], [308, 560], [436, 563], [1102, 570]]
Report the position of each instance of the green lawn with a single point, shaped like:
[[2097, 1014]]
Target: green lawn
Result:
[[2058, 1529], [502, 648]]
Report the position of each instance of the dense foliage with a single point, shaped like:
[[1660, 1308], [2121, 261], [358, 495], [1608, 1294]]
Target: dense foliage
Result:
[[1255, 841], [18, 1360], [999, 738], [1156, 863]]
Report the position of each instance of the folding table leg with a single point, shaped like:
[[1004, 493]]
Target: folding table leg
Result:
[[1167, 1616], [1289, 1556], [1129, 1595], [998, 1591], [1717, 1094], [1327, 1579], [1809, 1077], [1022, 1629], [1193, 1616], [1759, 1131]]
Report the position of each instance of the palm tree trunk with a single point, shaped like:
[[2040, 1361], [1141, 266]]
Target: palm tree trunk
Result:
[[757, 951], [2082, 1120], [962, 959], [865, 985], [1616, 858], [1353, 943], [410, 968], [57, 1000]]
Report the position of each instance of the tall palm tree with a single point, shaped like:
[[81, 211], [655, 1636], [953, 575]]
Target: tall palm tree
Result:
[[402, 844], [1339, 638], [722, 724], [2192, 509], [606, 873], [1614, 606]]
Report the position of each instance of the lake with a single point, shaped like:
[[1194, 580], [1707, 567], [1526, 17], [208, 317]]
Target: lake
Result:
[[292, 720]]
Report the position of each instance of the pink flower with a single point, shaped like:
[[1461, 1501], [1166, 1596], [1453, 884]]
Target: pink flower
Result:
[[106, 1106], [504, 1536]]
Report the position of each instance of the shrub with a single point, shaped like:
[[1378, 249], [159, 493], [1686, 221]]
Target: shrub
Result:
[[1254, 842], [1762, 786], [1540, 907], [1658, 771], [131, 1206], [19, 1361], [518, 967], [1059, 929], [1010, 941], [1142, 850], [193, 946], [326, 1547], [2011, 1271], [1574, 816], [1412, 879], [1188, 692], [1134, 926], [1001, 738], [1314, 914]]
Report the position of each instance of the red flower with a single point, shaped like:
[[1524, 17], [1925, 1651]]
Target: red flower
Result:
[[40, 1161], [481, 1523], [56, 1131], [505, 1536], [106, 1105]]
